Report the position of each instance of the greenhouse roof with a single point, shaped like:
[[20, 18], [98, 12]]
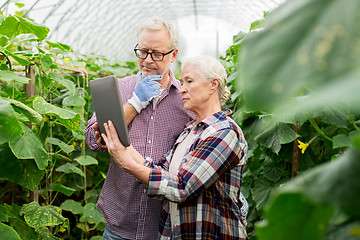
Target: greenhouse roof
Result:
[[108, 27]]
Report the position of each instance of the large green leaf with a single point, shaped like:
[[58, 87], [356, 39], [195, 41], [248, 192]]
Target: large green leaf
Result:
[[22, 172], [70, 119], [306, 44], [28, 146], [18, 222], [72, 206], [8, 233], [13, 26], [30, 113], [65, 82], [9, 76], [40, 216], [65, 147], [10, 127], [336, 183], [261, 192], [293, 216], [274, 137]]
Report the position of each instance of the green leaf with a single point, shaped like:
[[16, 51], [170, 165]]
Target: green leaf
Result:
[[9, 125], [273, 173], [8, 233], [20, 60], [343, 140], [46, 61], [307, 47], [14, 26], [22, 172], [70, 119], [3, 214], [9, 76], [63, 189], [261, 192], [72, 206], [92, 214], [3, 41], [332, 179], [26, 111], [58, 45], [274, 137], [37, 216], [18, 222], [28, 146], [293, 216], [257, 24], [65, 82], [65, 147], [73, 101], [69, 168], [86, 160]]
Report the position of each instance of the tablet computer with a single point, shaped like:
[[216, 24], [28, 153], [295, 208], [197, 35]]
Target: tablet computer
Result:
[[108, 106]]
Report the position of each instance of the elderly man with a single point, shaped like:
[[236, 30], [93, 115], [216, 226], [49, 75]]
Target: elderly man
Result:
[[156, 116]]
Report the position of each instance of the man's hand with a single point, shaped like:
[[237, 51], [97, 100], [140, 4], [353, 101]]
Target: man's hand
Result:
[[98, 137], [145, 91]]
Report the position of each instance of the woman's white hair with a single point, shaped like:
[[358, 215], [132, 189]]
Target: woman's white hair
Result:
[[211, 68], [156, 23]]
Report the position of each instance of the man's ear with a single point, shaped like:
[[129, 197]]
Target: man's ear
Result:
[[173, 55]]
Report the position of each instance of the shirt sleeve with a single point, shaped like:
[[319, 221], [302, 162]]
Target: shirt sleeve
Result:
[[203, 166], [90, 135]]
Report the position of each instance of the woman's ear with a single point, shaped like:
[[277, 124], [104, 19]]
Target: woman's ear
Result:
[[214, 85]]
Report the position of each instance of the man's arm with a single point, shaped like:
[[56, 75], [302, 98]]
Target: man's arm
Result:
[[130, 113]]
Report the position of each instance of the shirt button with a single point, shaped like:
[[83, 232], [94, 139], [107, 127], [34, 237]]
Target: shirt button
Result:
[[149, 141], [152, 117]]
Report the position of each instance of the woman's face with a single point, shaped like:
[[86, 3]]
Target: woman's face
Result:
[[195, 90]]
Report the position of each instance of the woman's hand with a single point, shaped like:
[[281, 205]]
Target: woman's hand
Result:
[[122, 155], [126, 157]]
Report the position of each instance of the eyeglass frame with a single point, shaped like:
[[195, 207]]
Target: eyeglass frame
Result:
[[151, 53]]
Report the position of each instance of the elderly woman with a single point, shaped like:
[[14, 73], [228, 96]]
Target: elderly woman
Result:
[[200, 178]]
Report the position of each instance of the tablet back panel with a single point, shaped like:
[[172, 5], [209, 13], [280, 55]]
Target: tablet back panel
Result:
[[108, 106]]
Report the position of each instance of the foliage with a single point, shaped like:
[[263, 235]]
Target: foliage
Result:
[[295, 84], [42, 146]]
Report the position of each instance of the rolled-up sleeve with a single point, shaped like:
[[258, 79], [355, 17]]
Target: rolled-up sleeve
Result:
[[90, 135]]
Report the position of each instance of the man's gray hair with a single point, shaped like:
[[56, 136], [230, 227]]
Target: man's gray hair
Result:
[[211, 68], [156, 23]]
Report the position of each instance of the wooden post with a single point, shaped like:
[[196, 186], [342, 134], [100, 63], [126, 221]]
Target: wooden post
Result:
[[30, 90], [295, 162]]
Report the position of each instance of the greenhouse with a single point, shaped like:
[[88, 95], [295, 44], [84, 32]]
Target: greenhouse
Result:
[[237, 119]]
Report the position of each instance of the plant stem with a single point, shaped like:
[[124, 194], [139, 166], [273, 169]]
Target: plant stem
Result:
[[316, 127]]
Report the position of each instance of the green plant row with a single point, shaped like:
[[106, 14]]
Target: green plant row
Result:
[[295, 92], [50, 181]]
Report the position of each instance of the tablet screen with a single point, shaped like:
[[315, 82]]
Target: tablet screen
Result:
[[108, 106]]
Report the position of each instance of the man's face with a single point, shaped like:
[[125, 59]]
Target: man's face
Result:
[[155, 41]]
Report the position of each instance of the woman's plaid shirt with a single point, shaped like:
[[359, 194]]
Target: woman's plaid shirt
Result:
[[207, 187]]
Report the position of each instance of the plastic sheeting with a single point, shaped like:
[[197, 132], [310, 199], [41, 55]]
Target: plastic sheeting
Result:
[[108, 27]]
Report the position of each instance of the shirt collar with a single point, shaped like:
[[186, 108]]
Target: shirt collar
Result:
[[210, 120]]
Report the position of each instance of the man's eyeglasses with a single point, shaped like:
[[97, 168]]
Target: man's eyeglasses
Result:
[[156, 56]]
